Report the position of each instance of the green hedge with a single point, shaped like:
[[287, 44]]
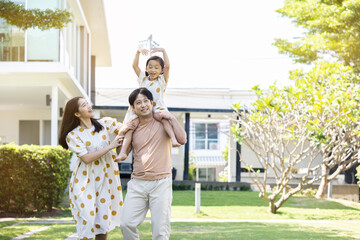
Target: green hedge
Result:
[[210, 187], [32, 177]]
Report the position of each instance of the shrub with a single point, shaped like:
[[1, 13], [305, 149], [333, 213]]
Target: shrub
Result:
[[244, 188], [32, 177], [309, 192]]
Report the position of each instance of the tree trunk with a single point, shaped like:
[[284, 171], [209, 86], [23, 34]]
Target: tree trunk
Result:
[[272, 207], [324, 181]]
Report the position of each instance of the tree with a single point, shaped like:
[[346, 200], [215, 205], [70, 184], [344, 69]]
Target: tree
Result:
[[358, 174], [331, 29], [332, 96], [287, 127], [331, 33], [275, 129], [17, 15]]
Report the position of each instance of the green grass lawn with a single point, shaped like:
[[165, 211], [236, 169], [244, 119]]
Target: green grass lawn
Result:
[[247, 205], [56, 231], [231, 205], [340, 230], [227, 231], [9, 232]]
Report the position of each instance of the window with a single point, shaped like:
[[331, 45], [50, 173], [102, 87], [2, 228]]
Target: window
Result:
[[206, 136], [12, 41], [207, 174], [43, 46]]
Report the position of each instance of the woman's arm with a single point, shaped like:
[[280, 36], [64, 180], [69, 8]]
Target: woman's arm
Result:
[[90, 157]]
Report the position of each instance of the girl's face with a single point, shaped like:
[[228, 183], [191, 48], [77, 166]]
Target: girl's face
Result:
[[153, 69], [85, 109]]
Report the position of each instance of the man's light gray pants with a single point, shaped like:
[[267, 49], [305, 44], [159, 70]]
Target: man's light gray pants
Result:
[[143, 195]]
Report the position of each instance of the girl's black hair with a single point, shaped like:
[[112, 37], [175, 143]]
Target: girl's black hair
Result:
[[136, 92], [155, 58], [70, 121]]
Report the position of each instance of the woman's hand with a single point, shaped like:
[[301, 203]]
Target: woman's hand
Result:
[[117, 142]]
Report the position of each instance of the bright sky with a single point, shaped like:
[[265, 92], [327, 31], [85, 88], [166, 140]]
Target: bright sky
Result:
[[210, 43]]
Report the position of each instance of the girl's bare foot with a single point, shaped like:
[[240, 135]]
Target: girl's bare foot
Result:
[[175, 143], [121, 157]]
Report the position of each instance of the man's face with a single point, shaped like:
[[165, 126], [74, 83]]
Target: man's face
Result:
[[142, 106]]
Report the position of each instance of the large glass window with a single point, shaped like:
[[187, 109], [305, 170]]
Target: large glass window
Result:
[[43, 45], [206, 136], [12, 41], [40, 45], [207, 174]]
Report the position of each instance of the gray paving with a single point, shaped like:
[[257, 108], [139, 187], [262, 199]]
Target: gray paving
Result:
[[72, 237], [28, 234]]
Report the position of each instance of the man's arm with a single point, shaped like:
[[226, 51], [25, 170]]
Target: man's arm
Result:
[[179, 131]]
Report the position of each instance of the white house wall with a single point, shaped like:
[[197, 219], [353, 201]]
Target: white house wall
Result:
[[9, 123]]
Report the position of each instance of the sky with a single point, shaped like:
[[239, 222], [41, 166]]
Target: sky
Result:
[[210, 43]]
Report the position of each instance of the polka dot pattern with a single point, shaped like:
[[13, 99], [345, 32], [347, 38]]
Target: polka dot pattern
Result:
[[156, 87], [94, 187]]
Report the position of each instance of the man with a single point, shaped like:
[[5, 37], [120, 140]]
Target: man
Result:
[[150, 186]]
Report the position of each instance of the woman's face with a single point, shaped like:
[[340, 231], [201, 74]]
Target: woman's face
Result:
[[85, 109]]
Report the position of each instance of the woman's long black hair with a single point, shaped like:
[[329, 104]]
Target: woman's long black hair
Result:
[[70, 121]]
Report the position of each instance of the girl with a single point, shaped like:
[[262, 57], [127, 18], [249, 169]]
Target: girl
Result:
[[95, 189], [155, 79]]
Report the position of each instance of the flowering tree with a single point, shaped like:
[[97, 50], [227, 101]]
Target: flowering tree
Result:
[[274, 128], [332, 96], [320, 114]]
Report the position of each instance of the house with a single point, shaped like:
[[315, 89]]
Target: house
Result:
[[41, 70], [206, 115]]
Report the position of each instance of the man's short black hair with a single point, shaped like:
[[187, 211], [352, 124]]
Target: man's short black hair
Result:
[[136, 92]]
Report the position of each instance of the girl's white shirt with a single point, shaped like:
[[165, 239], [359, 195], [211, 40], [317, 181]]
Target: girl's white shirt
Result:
[[157, 88]]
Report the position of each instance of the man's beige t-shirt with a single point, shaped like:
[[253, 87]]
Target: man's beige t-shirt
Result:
[[152, 152]]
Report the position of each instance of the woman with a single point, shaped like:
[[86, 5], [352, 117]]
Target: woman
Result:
[[95, 189]]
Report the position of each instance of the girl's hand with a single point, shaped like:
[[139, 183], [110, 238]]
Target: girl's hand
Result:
[[143, 51], [166, 115], [154, 50], [128, 126], [117, 142]]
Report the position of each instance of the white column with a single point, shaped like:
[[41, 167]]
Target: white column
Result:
[[54, 116], [197, 197], [232, 159], [41, 132]]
